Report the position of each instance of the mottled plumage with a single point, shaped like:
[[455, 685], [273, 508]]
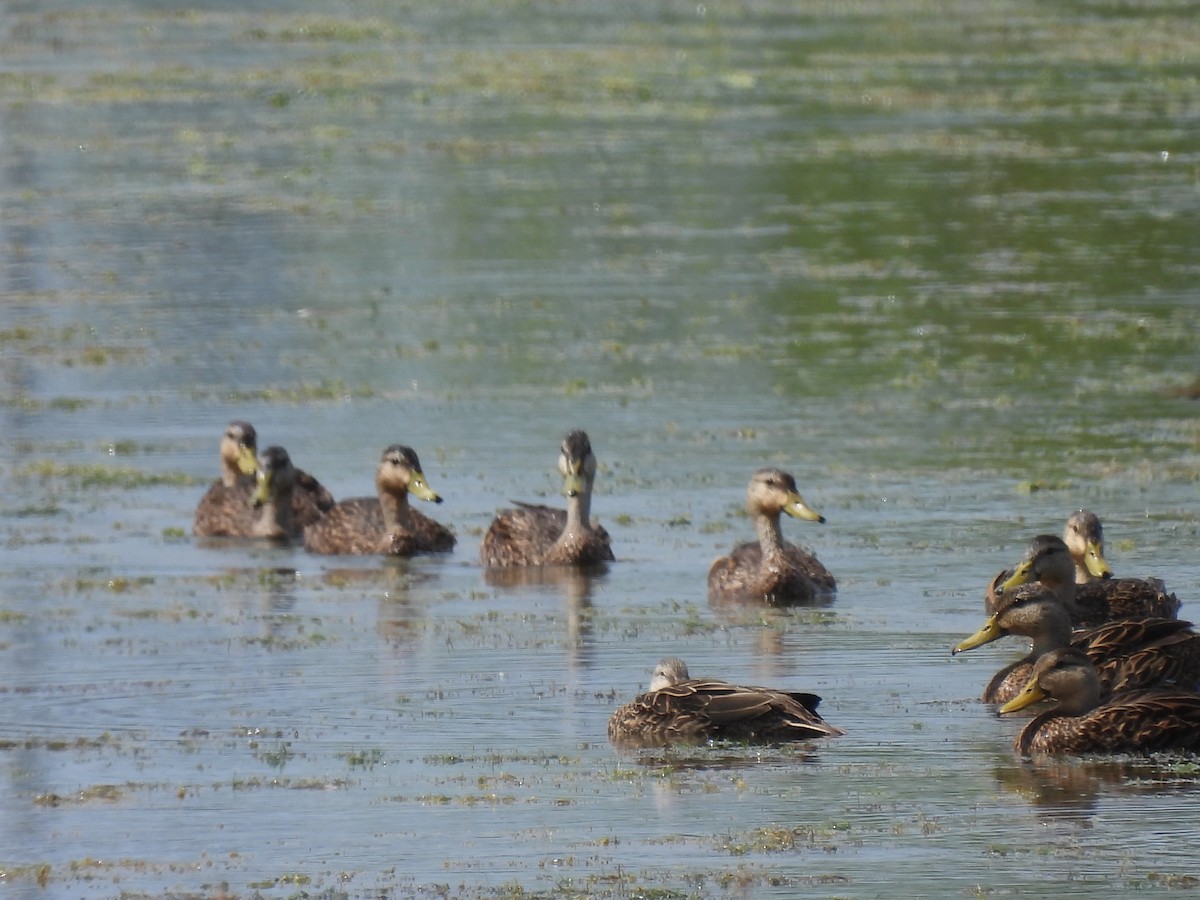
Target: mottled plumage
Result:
[[678, 708], [535, 535], [1128, 722], [384, 524], [771, 570], [1128, 653], [226, 509], [1048, 566]]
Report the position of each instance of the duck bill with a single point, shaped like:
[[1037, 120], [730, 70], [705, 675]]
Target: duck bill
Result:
[[1094, 559], [798, 509], [246, 462], [1023, 575], [419, 487], [573, 483], [990, 631], [1031, 694], [262, 493]]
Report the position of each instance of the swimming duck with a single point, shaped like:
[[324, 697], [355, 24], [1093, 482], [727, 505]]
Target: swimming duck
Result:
[[1128, 722], [681, 708], [384, 524], [226, 511], [1128, 653], [274, 517], [535, 535], [1048, 562], [771, 569]]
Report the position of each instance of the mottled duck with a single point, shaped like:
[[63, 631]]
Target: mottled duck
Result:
[[535, 535], [274, 515], [1129, 654], [679, 708], [226, 511], [1048, 566], [771, 569], [383, 524], [1128, 722]]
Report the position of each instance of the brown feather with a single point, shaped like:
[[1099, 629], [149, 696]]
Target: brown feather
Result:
[[1128, 653], [1128, 722], [1050, 567], [698, 709], [771, 570], [363, 525], [226, 508], [537, 535]]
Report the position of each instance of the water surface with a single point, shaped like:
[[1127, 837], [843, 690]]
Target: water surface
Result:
[[938, 262]]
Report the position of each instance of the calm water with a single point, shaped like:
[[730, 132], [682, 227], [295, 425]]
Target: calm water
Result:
[[939, 261]]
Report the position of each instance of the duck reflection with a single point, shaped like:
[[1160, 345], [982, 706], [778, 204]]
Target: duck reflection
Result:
[[575, 584], [1070, 790], [264, 596]]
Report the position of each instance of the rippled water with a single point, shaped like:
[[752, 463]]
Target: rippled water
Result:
[[939, 262]]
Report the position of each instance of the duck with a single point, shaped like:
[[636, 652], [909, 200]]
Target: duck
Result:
[[679, 708], [1048, 566], [274, 516], [536, 535], [384, 524], [225, 510], [770, 569], [1128, 653], [1127, 722]]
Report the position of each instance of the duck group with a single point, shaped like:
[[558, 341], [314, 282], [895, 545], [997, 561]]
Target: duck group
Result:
[[1121, 669], [263, 495]]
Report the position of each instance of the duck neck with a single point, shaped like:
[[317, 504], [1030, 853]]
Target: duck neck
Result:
[[396, 513], [1085, 697], [275, 516], [1063, 591], [1053, 631], [579, 511], [231, 474], [770, 538]]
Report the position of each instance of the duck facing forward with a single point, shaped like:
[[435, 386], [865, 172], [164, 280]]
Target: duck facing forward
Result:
[[226, 508], [1128, 722], [386, 523], [681, 708], [1084, 537], [1049, 563], [535, 535], [1129, 654], [274, 516], [771, 569]]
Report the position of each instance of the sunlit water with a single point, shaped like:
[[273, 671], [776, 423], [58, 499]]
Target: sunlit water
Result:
[[938, 263]]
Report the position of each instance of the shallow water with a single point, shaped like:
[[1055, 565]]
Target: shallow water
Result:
[[939, 263]]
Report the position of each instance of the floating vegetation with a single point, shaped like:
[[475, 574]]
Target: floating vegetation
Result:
[[325, 390], [363, 759], [103, 792], [84, 475]]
